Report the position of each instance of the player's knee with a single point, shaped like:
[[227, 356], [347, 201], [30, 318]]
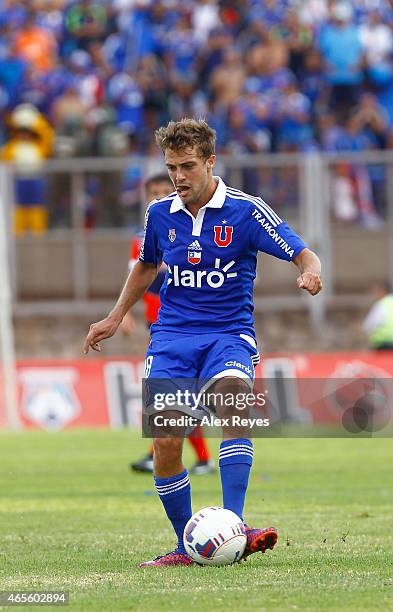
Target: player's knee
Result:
[[230, 383], [231, 397], [167, 424]]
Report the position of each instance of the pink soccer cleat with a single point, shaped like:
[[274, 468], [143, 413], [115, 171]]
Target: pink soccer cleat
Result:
[[259, 540], [171, 559]]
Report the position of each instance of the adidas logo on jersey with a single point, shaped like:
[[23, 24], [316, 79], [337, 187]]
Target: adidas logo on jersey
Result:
[[189, 278], [195, 246]]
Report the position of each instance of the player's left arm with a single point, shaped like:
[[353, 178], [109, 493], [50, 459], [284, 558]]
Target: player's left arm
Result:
[[271, 234], [309, 266]]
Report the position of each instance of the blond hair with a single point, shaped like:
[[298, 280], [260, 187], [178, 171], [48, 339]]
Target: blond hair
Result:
[[179, 135]]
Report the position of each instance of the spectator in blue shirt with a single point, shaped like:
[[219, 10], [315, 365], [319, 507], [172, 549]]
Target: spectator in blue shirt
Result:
[[13, 72], [181, 48], [125, 95], [294, 119], [342, 52]]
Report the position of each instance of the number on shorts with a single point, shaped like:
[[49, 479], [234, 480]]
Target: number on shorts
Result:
[[148, 364]]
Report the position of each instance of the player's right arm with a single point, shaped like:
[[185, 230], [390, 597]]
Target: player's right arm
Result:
[[128, 323], [139, 279]]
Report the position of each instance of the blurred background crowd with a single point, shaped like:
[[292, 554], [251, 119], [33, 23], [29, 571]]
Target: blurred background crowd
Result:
[[86, 78]]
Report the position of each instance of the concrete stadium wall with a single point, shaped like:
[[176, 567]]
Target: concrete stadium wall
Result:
[[46, 266]]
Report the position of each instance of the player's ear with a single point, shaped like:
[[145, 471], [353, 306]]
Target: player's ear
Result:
[[211, 161]]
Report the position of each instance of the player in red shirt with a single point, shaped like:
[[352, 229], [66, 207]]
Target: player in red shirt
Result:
[[157, 187]]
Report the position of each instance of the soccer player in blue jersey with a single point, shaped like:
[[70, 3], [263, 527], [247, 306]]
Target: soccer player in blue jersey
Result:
[[209, 236]]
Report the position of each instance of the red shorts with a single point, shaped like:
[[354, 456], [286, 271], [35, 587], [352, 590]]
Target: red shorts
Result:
[[152, 306]]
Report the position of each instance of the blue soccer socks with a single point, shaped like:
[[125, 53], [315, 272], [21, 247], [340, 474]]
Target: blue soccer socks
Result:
[[175, 494], [235, 464]]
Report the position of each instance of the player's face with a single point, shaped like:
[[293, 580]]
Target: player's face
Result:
[[158, 190], [190, 174]]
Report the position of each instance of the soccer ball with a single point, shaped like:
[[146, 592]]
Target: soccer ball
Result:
[[215, 536]]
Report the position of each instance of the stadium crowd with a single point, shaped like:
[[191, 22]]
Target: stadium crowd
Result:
[[269, 76]]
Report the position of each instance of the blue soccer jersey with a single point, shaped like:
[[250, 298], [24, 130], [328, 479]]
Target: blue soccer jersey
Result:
[[212, 258]]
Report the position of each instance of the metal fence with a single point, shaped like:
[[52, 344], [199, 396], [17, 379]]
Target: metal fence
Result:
[[96, 204]]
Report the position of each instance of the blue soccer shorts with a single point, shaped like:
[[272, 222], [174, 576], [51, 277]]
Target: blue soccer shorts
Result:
[[204, 358]]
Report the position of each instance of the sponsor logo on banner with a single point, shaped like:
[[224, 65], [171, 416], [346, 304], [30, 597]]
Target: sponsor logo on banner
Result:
[[223, 235], [279, 374], [124, 393], [48, 396], [321, 388], [353, 381], [194, 253]]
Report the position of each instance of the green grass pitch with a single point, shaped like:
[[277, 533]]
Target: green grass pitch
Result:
[[72, 517]]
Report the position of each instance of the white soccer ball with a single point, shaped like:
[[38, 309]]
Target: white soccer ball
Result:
[[215, 536]]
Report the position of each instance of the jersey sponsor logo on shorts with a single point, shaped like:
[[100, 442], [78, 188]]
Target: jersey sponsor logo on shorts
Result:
[[279, 240], [223, 235], [172, 234], [194, 255], [214, 279], [241, 366]]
